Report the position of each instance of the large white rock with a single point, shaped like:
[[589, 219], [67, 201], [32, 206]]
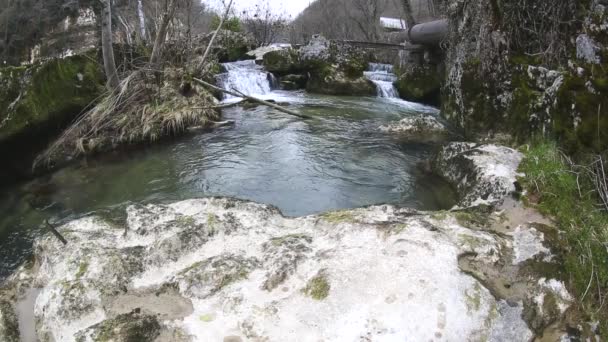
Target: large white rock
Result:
[[220, 269], [483, 174], [379, 273]]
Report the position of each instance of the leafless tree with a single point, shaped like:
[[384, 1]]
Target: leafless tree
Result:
[[106, 46], [263, 23], [366, 15], [161, 35]]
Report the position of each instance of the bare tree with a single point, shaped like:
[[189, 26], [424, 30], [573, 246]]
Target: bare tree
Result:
[[366, 16], [265, 25], [106, 46], [168, 13]]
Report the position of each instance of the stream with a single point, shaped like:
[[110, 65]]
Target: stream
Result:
[[337, 160]]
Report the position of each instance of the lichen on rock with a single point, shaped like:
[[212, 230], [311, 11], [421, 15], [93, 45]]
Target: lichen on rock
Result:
[[129, 327], [9, 327]]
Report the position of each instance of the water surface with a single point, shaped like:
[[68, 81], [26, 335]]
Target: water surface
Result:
[[339, 159]]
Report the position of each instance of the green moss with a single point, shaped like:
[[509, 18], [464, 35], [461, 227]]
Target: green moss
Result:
[[590, 132], [9, 326], [471, 218], [318, 287], [49, 94], [282, 62], [82, 269], [420, 84], [470, 241], [207, 318], [186, 221], [129, 327], [473, 298], [583, 226], [278, 241], [439, 215], [339, 217]]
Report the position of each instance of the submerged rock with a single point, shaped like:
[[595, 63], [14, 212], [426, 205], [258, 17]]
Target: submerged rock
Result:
[[419, 128]]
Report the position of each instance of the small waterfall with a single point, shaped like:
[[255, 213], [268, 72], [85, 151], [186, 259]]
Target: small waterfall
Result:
[[383, 76], [246, 77]]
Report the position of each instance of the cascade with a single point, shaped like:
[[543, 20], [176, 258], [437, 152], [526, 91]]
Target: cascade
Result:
[[383, 77], [246, 77]]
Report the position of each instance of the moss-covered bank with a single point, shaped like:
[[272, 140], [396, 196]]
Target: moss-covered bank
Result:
[[46, 96], [565, 193]]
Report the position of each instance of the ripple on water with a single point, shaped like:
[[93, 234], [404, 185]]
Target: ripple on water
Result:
[[336, 160]]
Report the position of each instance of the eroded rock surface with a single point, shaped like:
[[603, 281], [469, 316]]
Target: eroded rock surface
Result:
[[483, 174], [224, 269]]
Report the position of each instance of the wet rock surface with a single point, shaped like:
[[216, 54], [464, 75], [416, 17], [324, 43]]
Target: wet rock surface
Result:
[[225, 269], [420, 128]]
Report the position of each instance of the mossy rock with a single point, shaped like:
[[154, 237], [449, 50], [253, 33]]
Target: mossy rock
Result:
[[232, 46], [282, 62], [46, 96], [330, 81], [9, 328], [131, 327], [293, 82], [579, 119], [318, 287], [420, 84], [354, 65]]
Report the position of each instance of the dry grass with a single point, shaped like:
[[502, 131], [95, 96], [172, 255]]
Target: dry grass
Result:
[[146, 107]]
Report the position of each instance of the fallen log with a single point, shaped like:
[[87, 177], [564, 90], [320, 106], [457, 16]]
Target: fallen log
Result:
[[253, 99]]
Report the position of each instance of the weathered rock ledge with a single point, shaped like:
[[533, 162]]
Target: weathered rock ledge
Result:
[[223, 269]]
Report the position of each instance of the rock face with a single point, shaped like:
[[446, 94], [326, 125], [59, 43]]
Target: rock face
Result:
[[489, 86], [46, 96], [419, 128], [223, 269]]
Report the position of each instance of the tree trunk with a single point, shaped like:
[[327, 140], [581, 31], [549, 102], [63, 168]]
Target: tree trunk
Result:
[[409, 14], [142, 20], [106, 46], [159, 42]]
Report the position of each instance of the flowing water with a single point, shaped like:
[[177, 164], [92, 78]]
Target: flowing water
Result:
[[339, 159], [383, 77]]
